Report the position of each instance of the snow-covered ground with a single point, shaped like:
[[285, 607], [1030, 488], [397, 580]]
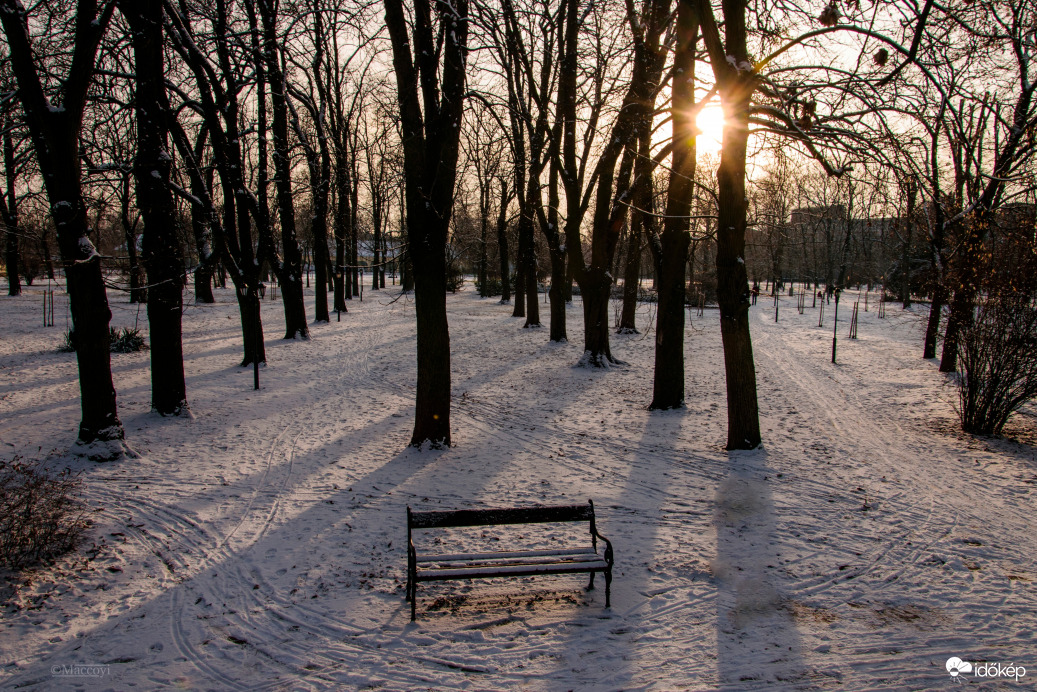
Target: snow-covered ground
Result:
[[261, 543]]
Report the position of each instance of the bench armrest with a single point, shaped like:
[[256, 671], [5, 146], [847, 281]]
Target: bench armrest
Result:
[[608, 548]]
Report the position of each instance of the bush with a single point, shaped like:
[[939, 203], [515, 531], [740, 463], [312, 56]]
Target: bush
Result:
[[997, 363], [68, 344], [120, 341], [494, 287], [126, 340], [454, 279], [41, 516]]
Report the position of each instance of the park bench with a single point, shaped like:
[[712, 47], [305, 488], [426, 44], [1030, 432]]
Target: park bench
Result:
[[510, 563]]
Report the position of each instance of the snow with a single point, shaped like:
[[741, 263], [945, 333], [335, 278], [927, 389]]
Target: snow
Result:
[[260, 544]]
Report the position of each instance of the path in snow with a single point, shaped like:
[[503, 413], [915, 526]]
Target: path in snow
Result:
[[260, 544]]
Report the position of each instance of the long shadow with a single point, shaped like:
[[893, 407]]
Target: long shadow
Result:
[[315, 612], [632, 516], [758, 644], [235, 585]]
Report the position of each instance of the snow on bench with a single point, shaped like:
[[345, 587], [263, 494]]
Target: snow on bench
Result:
[[512, 563]]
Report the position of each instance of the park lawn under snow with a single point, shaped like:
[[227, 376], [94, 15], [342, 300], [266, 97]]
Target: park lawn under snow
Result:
[[260, 544]]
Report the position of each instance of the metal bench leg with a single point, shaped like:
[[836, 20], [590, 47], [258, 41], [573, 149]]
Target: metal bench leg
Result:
[[413, 603], [590, 587], [608, 589]]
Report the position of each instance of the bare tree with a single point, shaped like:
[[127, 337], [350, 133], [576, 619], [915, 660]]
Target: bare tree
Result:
[[163, 257], [431, 126], [54, 115]]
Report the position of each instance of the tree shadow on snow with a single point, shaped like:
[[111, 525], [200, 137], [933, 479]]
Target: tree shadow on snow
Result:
[[758, 644]]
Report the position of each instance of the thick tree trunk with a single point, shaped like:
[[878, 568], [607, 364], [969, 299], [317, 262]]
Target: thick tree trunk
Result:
[[595, 290], [964, 295], [430, 148], [671, 254], [743, 424], [55, 136], [163, 256], [251, 325], [432, 404]]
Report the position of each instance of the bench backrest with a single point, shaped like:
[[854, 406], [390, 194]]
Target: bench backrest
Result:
[[487, 517]]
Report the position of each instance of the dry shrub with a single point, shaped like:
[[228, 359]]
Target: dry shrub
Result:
[[41, 516], [998, 363]]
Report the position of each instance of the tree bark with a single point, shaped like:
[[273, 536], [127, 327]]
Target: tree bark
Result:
[[671, 253], [631, 275], [290, 271], [138, 283], [55, 135], [905, 251], [201, 224], [431, 132], [162, 254], [736, 88], [9, 211], [502, 243]]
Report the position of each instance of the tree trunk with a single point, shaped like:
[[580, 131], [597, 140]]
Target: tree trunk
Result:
[[341, 226], [290, 274], [743, 424], [163, 256], [527, 247], [432, 404], [502, 244], [9, 212], [932, 328], [556, 253], [484, 227], [200, 227], [671, 254], [905, 251], [520, 281], [595, 289], [430, 148], [320, 181], [14, 284], [631, 277], [55, 136], [964, 296], [138, 289]]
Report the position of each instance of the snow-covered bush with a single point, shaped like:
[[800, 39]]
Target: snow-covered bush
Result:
[[997, 363], [41, 516]]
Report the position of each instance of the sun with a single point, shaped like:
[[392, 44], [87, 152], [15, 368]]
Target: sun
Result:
[[710, 122]]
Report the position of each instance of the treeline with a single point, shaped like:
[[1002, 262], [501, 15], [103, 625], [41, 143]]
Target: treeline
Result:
[[232, 139]]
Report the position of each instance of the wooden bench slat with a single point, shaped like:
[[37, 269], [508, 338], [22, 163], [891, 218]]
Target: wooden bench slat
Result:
[[576, 559], [511, 570], [512, 563], [503, 555], [513, 515]]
